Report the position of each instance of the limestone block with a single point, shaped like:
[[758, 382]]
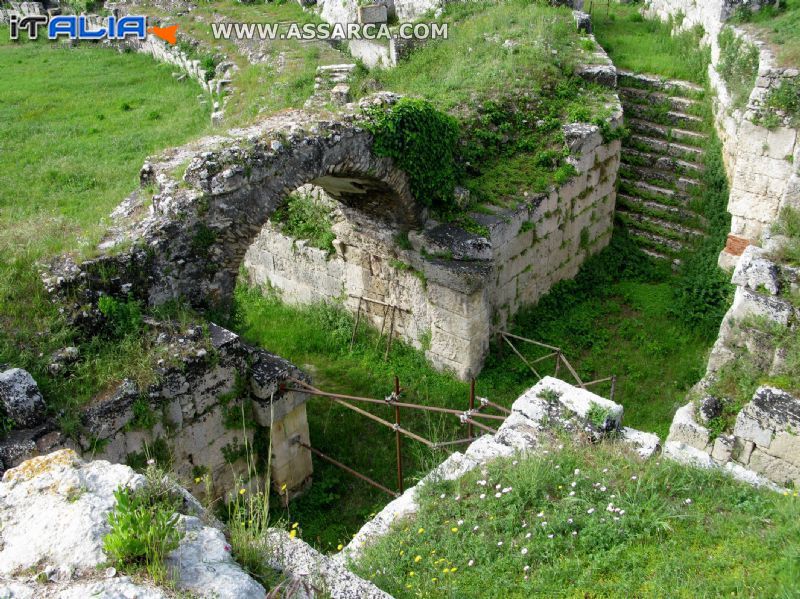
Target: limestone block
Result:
[[775, 469], [723, 448], [486, 449], [291, 463], [20, 398], [518, 432], [786, 446], [686, 430], [576, 400], [688, 455], [645, 444], [755, 271], [781, 142]]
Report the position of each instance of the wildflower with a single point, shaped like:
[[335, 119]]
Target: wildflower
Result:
[[622, 512], [498, 495], [528, 536], [574, 533], [453, 569], [482, 483], [515, 462], [242, 491], [471, 562], [572, 493], [573, 484], [442, 496], [283, 487], [524, 525], [602, 489], [412, 573], [293, 533], [577, 471], [483, 495], [590, 510], [569, 520], [605, 470], [227, 547], [616, 518], [417, 559], [151, 462], [550, 536], [475, 528], [634, 477], [507, 490], [524, 551], [458, 497], [499, 543], [339, 547], [558, 466], [295, 525], [526, 568], [688, 501], [540, 515], [544, 524], [460, 522], [434, 579], [454, 529], [420, 531]]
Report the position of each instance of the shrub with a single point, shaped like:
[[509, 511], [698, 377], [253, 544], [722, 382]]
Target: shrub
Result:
[[122, 318], [144, 530], [422, 141], [786, 98], [738, 65], [788, 225], [302, 217]]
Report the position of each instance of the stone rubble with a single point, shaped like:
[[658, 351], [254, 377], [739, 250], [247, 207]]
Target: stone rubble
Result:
[[54, 512], [20, 398]]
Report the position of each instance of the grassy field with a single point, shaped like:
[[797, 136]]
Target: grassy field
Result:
[[75, 127], [597, 523], [780, 26], [284, 78], [647, 46]]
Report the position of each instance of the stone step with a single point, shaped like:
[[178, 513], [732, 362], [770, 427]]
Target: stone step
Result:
[[671, 179], [664, 132], [657, 243], [634, 203], [657, 225], [673, 87], [669, 118], [664, 163], [659, 256], [669, 148], [659, 194], [644, 96]]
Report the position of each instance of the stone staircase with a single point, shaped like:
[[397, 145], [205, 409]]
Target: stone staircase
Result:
[[660, 188], [330, 86]]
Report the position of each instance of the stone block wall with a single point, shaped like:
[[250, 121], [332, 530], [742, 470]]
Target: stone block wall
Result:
[[762, 163], [766, 436], [454, 289]]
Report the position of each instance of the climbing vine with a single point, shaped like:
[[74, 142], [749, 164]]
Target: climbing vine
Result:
[[422, 141]]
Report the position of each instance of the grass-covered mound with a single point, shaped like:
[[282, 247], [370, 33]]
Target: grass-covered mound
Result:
[[75, 127], [506, 72], [779, 22], [591, 522]]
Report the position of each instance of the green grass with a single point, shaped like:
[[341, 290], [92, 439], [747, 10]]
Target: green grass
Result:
[[679, 532], [284, 79], [303, 217], [617, 318], [75, 127], [780, 27], [648, 46]]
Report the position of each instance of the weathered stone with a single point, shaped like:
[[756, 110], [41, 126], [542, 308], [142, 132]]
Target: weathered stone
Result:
[[55, 510], [723, 448], [20, 398], [686, 430], [688, 455], [756, 272], [645, 444]]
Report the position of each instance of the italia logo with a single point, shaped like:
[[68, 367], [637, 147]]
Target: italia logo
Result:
[[79, 27]]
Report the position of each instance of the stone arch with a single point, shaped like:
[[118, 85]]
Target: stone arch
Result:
[[202, 226]]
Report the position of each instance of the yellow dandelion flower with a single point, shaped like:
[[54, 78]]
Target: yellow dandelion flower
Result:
[[242, 491], [283, 487], [402, 552], [417, 559], [339, 547], [293, 533], [453, 570], [197, 479], [445, 571], [420, 531], [412, 573], [295, 525], [434, 579], [454, 529]]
